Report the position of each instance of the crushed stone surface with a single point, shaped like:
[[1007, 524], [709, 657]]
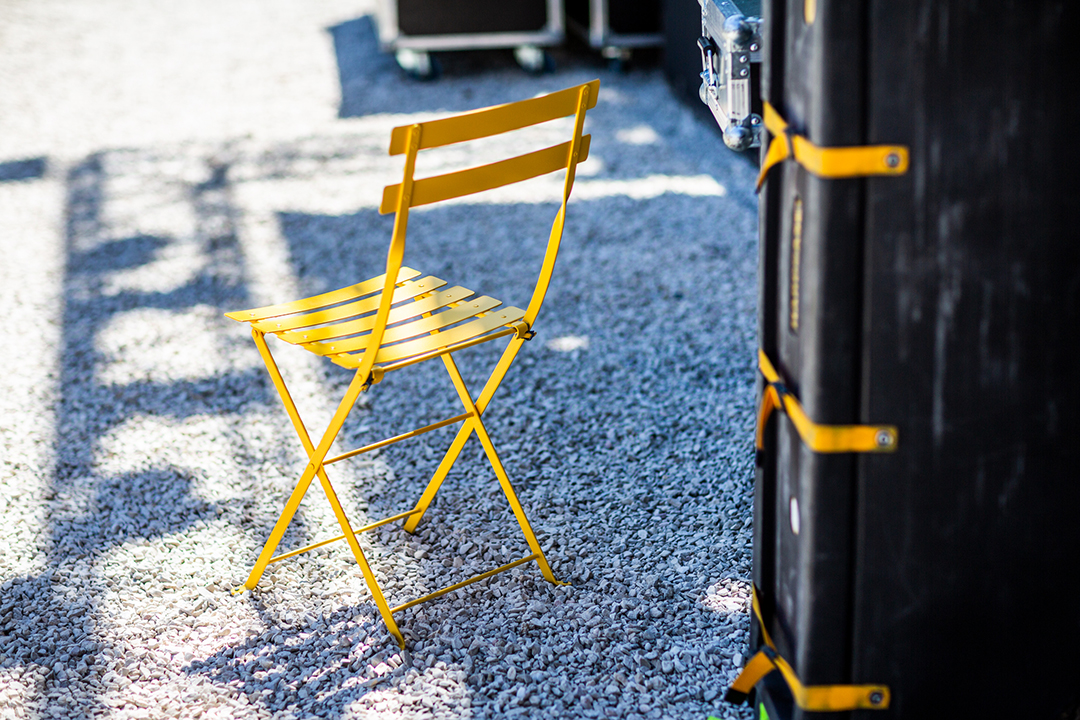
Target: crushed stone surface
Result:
[[161, 165]]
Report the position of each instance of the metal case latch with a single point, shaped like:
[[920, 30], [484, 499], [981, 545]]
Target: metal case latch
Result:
[[730, 45]]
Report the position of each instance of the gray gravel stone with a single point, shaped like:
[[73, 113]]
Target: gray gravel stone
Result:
[[176, 165]]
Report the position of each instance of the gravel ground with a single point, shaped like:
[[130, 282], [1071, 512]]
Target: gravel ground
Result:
[[159, 168]]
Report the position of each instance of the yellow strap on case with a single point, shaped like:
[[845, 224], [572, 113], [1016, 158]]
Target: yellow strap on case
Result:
[[813, 698], [819, 438], [831, 162]]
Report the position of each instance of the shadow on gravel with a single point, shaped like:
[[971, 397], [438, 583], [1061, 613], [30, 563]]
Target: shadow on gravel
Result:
[[623, 426], [316, 663], [29, 169], [52, 621]]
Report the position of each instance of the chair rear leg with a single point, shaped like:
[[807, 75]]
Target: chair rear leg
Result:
[[441, 472], [302, 485], [278, 532], [464, 431], [515, 504]]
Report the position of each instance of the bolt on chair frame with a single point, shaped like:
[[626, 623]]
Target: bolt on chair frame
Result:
[[386, 346]]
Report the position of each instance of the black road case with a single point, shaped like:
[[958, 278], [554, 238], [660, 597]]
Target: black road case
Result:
[[412, 29], [917, 514]]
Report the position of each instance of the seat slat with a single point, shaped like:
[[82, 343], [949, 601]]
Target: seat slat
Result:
[[408, 330], [315, 302], [494, 120], [454, 336], [405, 291], [485, 177], [459, 333], [438, 299]]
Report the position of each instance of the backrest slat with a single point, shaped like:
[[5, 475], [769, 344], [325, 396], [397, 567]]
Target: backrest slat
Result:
[[485, 177], [495, 120]]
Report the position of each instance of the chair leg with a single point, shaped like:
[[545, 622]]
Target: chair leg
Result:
[[463, 434], [361, 560], [500, 472], [451, 456], [315, 467], [282, 524], [515, 504]]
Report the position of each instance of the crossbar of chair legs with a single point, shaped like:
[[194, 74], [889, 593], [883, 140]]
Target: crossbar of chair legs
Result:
[[429, 596], [398, 438], [369, 526], [463, 583]]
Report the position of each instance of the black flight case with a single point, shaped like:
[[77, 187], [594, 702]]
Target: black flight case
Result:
[[917, 500], [412, 29]]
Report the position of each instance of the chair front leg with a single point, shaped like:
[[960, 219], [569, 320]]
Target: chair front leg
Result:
[[500, 472], [315, 467], [361, 560]]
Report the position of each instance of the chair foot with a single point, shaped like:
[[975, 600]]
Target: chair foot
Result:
[[400, 639], [240, 590]]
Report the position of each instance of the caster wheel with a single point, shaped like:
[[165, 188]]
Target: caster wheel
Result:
[[618, 59], [534, 60], [418, 64]]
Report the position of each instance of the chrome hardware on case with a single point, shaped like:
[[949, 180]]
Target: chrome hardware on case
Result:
[[730, 46]]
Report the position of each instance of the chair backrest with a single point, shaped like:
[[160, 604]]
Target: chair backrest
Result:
[[412, 192]]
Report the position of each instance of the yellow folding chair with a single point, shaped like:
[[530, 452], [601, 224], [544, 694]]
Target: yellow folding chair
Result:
[[401, 318]]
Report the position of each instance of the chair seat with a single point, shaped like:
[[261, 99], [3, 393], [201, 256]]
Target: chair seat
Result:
[[426, 317]]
